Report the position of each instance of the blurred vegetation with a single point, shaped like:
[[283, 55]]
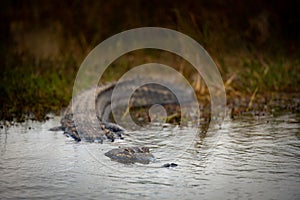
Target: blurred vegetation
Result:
[[255, 44]]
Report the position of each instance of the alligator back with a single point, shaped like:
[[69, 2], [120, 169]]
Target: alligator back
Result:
[[93, 107]]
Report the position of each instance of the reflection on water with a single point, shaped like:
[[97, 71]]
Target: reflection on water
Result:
[[249, 158]]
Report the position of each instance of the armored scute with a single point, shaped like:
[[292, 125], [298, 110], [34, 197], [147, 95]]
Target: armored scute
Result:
[[88, 117]]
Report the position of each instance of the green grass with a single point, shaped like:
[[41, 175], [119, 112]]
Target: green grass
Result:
[[276, 76], [42, 47], [35, 91]]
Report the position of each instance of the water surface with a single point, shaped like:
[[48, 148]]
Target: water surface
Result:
[[249, 158]]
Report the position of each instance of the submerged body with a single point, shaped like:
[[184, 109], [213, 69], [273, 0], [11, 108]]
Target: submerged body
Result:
[[131, 155]]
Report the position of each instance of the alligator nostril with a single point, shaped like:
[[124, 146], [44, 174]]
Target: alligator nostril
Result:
[[170, 165]]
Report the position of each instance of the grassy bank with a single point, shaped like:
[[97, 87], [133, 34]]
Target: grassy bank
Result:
[[256, 48], [35, 91]]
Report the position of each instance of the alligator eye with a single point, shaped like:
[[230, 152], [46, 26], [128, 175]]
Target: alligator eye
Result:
[[128, 150]]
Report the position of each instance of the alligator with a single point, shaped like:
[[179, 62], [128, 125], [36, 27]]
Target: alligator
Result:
[[86, 126]]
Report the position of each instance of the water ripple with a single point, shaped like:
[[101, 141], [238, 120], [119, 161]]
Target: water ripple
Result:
[[249, 158]]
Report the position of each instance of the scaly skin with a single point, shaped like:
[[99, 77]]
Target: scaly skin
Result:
[[86, 125], [130, 155]]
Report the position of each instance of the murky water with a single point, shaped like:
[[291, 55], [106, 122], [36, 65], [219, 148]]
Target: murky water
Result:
[[249, 158]]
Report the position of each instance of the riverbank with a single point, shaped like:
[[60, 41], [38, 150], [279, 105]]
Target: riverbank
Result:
[[256, 48]]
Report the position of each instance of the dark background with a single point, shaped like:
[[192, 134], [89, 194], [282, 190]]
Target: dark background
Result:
[[44, 42], [269, 26]]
